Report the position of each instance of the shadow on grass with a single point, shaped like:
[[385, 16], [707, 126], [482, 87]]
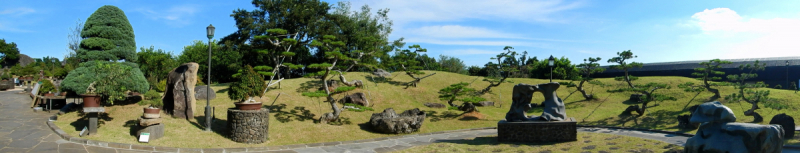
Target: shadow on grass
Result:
[[223, 90], [218, 126], [491, 140], [446, 115], [367, 127], [82, 122], [298, 113], [308, 85], [133, 125], [376, 80]]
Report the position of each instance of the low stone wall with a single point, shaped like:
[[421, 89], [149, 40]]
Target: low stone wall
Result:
[[6, 84], [537, 131], [248, 126]]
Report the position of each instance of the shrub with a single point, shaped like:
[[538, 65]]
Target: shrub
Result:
[[162, 85], [112, 79], [5, 76], [46, 86], [200, 82], [249, 84], [152, 98], [151, 95]]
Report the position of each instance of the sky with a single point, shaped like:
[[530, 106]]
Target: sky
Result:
[[472, 30]]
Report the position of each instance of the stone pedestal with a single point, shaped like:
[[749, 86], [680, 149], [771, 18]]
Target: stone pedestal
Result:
[[537, 131], [248, 126], [156, 131], [92, 113]]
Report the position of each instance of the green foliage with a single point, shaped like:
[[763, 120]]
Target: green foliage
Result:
[[690, 87], [224, 61], [155, 64], [630, 77], [9, 53], [706, 72], [152, 98], [250, 84], [452, 64], [622, 64], [47, 86], [5, 76], [460, 92], [107, 36], [587, 69], [162, 85], [318, 93], [778, 87], [359, 107], [748, 92], [343, 89], [112, 79], [648, 88], [452, 108]]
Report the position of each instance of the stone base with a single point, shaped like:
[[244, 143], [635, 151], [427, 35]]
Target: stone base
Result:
[[143, 122], [248, 126], [156, 131], [537, 131]]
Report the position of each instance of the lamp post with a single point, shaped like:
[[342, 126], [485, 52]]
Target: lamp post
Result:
[[787, 74], [210, 33], [550, 62]]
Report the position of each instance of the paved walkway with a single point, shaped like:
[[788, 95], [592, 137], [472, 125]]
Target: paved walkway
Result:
[[22, 130]]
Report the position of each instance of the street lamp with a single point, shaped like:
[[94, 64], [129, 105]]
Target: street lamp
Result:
[[787, 74], [550, 62], [210, 33]]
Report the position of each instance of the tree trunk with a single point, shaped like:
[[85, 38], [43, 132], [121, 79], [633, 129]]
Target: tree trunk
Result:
[[583, 92], [628, 79], [716, 94], [757, 118]]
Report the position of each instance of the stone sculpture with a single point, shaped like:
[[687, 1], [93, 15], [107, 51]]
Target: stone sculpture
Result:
[[719, 133], [554, 109], [200, 92], [382, 73], [179, 97], [787, 122], [435, 105], [390, 122]]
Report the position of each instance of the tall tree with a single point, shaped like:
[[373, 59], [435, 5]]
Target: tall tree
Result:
[[9, 53], [706, 73], [748, 91], [225, 59], [155, 64], [332, 48]]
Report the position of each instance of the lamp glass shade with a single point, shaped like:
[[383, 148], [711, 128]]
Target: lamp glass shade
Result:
[[550, 61], [210, 31]]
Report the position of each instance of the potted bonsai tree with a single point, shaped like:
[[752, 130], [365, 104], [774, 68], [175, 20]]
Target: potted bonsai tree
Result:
[[153, 99], [250, 84], [109, 80], [90, 98], [47, 89]]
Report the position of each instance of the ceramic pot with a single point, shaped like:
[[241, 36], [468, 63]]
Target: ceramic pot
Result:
[[152, 112], [248, 106], [91, 100]]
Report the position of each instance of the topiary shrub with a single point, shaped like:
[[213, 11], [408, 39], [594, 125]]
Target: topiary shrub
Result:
[[249, 84], [112, 79]]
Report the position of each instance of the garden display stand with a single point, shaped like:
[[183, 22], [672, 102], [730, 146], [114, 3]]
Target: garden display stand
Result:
[[93, 112]]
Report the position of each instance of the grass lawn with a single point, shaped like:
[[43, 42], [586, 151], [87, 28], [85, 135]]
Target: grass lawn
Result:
[[292, 116], [587, 142]]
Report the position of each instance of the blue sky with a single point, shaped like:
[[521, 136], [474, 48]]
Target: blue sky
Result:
[[474, 31]]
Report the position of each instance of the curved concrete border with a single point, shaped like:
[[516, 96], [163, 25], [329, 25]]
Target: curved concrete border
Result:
[[78, 140]]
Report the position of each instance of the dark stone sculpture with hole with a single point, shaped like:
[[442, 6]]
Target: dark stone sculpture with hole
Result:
[[552, 126]]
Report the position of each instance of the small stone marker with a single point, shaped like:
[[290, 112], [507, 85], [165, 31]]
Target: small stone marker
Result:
[[83, 132]]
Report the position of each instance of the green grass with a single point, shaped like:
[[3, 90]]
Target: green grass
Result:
[[587, 142], [291, 121]]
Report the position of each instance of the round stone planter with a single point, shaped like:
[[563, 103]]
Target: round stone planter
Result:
[[248, 126]]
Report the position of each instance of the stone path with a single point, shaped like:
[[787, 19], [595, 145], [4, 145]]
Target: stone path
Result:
[[22, 130]]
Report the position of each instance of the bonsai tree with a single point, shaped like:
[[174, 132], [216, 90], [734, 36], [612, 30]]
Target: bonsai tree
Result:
[[332, 48], [47, 87], [748, 92], [250, 84], [408, 60], [705, 74], [153, 99], [275, 46], [108, 53], [460, 92], [648, 90], [586, 70], [504, 68]]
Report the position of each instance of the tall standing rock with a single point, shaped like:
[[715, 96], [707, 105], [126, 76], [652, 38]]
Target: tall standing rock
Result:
[[179, 97]]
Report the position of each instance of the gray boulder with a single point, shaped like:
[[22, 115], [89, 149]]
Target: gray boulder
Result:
[[382, 73], [484, 103], [200, 92], [390, 122], [719, 133], [435, 105], [357, 98], [787, 122]]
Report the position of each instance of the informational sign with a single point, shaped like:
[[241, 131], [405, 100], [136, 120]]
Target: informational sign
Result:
[[144, 137], [84, 131]]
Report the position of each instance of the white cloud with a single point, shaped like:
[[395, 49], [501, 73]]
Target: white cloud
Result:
[[471, 51], [17, 11], [406, 11], [458, 31], [176, 15], [734, 36]]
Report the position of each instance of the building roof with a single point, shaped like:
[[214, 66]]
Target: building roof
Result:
[[681, 65]]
